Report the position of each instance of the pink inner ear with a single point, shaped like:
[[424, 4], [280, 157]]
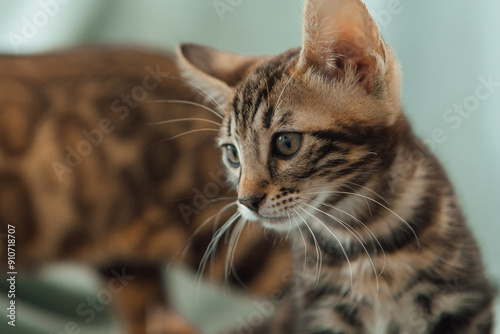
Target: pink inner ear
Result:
[[363, 66], [340, 36], [348, 56]]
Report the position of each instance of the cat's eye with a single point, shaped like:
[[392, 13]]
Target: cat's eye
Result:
[[232, 156], [287, 144]]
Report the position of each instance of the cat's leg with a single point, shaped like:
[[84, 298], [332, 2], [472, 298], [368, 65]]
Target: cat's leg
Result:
[[140, 301]]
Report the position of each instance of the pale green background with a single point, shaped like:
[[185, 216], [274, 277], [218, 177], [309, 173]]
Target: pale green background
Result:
[[443, 46]]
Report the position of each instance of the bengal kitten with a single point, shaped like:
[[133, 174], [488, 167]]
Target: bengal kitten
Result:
[[315, 143], [107, 159]]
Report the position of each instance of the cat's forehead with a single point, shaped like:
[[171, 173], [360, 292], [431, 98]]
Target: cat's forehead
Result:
[[256, 101]]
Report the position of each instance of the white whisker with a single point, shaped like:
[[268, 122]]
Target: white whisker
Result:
[[375, 201], [366, 202], [235, 236], [208, 97], [361, 243], [304, 241], [215, 200], [191, 103], [338, 240], [283, 90], [341, 222], [213, 245], [366, 227], [184, 120], [370, 190], [319, 254], [202, 92], [188, 133], [289, 226], [198, 230]]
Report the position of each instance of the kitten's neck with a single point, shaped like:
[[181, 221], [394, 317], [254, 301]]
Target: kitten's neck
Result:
[[390, 188], [384, 212]]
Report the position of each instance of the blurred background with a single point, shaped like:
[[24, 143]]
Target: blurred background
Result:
[[447, 49]]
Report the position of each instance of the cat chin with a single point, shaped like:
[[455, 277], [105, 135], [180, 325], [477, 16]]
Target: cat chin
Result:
[[278, 224]]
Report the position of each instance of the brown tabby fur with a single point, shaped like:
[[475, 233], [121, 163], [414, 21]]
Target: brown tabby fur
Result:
[[131, 203], [380, 243]]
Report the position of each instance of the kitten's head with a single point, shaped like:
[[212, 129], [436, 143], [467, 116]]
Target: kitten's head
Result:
[[307, 122]]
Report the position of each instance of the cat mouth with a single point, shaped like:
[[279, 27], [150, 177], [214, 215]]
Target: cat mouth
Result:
[[277, 223]]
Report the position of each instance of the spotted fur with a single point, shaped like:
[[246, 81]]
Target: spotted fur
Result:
[[379, 240], [137, 199]]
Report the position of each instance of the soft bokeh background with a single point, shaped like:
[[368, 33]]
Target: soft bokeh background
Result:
[[446, 48]]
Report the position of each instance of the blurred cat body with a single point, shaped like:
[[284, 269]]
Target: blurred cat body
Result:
[[88, 173]]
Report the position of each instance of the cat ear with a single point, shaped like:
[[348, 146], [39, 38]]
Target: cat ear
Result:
[[212, 71], [340, 36]]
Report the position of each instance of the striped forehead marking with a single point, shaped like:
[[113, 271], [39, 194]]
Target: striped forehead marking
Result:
[[256, 91]]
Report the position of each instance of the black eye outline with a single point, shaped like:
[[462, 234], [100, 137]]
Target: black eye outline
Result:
[[281, 136], [232, 156]]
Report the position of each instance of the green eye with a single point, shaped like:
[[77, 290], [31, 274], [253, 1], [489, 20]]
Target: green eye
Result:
[[287, 144], [232, 156]]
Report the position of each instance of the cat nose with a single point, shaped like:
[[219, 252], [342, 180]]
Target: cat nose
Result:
[[252, 202]]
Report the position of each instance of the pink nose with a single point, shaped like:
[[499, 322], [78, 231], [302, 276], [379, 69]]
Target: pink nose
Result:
[[252, 202]]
